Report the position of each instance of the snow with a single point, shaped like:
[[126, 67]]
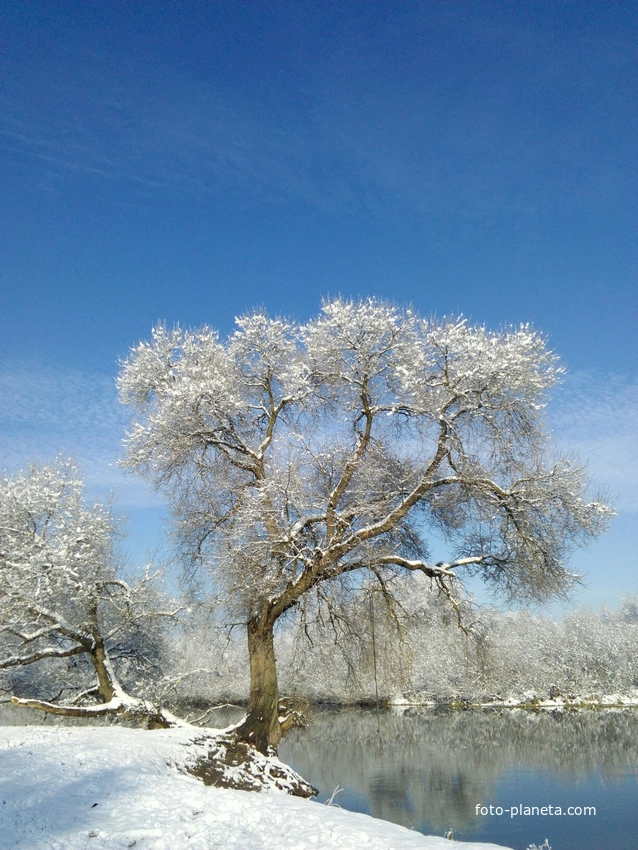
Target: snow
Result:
[[616, 700], [106, 788]]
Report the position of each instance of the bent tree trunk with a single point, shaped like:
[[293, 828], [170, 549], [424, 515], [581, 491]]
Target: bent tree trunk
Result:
[[261, 727], [113, 699]]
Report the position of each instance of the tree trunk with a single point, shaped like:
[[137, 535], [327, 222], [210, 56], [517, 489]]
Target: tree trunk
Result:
[[131, 709], [261, 727], [104, 679]]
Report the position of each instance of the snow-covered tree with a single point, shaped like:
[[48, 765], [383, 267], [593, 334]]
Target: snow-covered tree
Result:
[[303, 460], [61, 595]]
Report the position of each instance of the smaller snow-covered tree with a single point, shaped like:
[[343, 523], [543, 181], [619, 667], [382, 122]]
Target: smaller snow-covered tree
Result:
[[61, 594]]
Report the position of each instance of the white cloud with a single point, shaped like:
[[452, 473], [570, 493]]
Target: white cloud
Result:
[[595, 415], [46, 412]]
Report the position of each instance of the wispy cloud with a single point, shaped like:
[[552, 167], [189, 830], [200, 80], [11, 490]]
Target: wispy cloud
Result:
[[595, 415], [46, 412], [160, 131], [353, 134]]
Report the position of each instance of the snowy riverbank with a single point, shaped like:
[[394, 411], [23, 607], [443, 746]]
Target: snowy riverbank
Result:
[[532, 700], [110, 788]]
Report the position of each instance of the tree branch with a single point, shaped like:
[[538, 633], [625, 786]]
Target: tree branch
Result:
[[440, 569], [24, 660], [352, 464], [61, 624]]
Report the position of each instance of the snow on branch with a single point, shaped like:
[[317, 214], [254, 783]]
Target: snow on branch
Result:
[[62, 596], [49, 652], [294, 456]]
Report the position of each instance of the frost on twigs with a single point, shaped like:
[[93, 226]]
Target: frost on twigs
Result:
[[311, 462], [225, 761], [69, 621]]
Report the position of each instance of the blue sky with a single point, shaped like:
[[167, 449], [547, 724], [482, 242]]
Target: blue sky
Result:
[[188, 162]]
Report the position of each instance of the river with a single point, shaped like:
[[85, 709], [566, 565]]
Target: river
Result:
[[429, 770]]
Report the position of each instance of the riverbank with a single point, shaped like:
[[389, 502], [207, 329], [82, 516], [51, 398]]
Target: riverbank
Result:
[[110, 788], [531, 700]]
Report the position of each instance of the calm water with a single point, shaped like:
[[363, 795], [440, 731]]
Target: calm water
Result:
[[428, 770]]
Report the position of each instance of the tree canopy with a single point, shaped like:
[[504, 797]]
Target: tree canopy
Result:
[[299, 458], [61, 592]]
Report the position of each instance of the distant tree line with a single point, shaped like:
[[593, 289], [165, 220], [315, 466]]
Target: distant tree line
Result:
[[424, 656]]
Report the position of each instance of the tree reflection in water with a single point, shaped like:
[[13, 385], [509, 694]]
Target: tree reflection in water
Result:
[[433, 767]]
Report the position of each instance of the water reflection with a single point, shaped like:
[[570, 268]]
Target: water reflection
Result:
[[428, 769]]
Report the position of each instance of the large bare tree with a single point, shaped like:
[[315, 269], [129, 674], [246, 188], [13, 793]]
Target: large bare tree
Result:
[[305, 458]]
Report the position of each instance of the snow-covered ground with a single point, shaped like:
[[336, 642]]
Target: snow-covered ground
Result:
[[90, 788]]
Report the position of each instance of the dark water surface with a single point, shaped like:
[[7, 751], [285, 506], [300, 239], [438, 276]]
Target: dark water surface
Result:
[[429, 770]]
